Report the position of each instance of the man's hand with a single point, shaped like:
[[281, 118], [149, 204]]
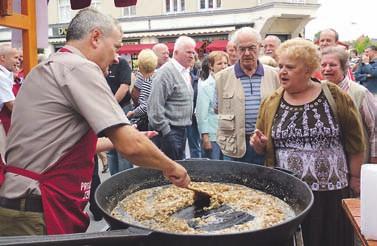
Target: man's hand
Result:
[[206, 144], [259, 141], [177, 174]]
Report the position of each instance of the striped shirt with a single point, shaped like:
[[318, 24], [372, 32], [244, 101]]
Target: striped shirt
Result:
[[368, 112], [145, 91], [139, 80], [251, 86]]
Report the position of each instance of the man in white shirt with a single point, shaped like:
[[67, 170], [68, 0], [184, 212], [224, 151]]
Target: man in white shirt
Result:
[[9, 62], [170, 104]]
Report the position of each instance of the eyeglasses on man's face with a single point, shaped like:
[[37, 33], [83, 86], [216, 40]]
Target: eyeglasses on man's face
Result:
[[251, 48]]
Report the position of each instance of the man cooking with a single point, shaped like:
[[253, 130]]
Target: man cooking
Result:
[[65, 103]]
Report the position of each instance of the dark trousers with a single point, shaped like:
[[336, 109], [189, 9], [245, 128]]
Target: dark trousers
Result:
[[173, 144], [193, 138], [326, 224]]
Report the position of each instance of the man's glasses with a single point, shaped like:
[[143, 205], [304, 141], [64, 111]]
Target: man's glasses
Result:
[[251, 48]]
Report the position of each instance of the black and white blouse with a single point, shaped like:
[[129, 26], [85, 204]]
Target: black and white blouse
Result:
[[307, 141]]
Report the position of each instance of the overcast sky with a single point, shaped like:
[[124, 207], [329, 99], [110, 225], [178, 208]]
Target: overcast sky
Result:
[[349, 18]]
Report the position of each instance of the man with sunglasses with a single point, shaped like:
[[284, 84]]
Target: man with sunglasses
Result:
[[240, 90]]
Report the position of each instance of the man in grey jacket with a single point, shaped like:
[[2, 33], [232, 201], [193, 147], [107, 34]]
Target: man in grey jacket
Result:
[[170, 105]]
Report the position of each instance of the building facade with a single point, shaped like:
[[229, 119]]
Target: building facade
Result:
[[204, 20]]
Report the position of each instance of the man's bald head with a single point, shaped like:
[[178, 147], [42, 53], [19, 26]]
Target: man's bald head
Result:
[[162, 53], [9, 57], [231, 50], [270, 44]]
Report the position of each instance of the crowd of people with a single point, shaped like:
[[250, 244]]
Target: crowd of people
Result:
[[297, 105]]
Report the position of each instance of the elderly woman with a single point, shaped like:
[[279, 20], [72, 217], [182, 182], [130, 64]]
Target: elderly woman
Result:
[[334, 67], [205, 115], [312, 129], [147, 63]]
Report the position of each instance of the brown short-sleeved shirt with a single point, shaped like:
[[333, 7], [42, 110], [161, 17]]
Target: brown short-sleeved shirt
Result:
[[60, 100]]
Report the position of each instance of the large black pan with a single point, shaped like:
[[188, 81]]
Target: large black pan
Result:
[[280, 184]]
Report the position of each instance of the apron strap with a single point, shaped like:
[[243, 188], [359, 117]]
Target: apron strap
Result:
[[23, 172]]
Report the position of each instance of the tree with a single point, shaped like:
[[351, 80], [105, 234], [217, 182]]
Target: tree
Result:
[[362, 43]]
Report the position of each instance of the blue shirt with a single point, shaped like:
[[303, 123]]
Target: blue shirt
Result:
[[205, 114], [251, 86]]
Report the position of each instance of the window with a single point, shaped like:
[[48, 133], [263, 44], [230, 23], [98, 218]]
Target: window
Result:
[[64, 9], [129, 11], [173, 6], [96, 4], [209, 4]]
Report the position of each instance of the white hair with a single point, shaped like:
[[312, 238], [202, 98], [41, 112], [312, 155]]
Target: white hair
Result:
[[249, 30], [182, 41]]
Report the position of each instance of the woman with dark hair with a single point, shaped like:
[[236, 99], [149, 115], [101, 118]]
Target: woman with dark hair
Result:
[[204, 72], [206, 117]]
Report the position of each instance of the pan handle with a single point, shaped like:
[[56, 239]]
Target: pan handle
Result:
[[131, 236]]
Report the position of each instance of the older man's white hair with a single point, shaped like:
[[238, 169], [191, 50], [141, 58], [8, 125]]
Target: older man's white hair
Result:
[[182, 41], [249, 30]]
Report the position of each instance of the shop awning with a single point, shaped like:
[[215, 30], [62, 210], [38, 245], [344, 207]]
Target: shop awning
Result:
[[198, 45], [217, 45], [133, 49]]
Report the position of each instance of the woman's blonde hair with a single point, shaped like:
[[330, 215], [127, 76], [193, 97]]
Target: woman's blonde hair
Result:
[[214, 55], [301, 50], [147, 61]]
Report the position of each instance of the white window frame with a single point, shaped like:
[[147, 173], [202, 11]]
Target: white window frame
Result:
[[129, 11], [171, 11], [96, 4], [206, 5], [67, 7]]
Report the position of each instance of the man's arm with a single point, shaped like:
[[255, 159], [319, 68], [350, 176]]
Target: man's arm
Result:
[[121, 92], [6, 94], [370, 70], [124, 76], [138, 149], [368, 111], [359, 74]]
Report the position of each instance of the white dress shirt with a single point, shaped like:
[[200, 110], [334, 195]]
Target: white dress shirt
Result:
[[6, 84], [185, 72]]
